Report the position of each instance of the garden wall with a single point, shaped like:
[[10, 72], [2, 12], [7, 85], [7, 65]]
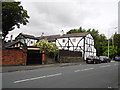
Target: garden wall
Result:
[[14, 57], [66, 56]]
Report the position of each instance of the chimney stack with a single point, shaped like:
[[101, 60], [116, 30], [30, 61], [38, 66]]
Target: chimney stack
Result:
[[62, 33]]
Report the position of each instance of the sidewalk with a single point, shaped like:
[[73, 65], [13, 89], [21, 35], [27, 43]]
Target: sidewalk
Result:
[[31, 67]]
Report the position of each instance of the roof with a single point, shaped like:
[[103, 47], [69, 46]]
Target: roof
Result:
[[9, 44], [26, 36], [53, 37], [49, 38], [74, 35]]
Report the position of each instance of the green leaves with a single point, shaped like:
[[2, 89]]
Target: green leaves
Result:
[[112, 51], [116, 42], [13, 15], [44, 45], [80, 30]]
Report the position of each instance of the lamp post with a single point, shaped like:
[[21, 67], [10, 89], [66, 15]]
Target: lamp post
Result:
[[109, 43], [113, 36], [108, 48]]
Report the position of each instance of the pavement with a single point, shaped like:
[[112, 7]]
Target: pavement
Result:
[[4, 69]]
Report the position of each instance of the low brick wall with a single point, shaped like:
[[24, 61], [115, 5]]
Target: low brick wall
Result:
[[71, 59], [50, 60], [66, 56], [14, 57]]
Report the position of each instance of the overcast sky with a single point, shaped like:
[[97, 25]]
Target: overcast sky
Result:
[[52, 16]]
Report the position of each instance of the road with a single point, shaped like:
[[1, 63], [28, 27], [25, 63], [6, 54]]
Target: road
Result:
[[103, 75]]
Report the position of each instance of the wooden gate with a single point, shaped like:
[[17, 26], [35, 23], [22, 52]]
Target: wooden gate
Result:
[[34, 57]]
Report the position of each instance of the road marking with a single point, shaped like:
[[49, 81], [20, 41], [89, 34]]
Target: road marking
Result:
[[54, 75], [88, 69], [83, 69], [37, 78], [77, 70], [105, 66]]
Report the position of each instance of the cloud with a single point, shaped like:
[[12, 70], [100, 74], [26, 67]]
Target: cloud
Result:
[[51, 16]]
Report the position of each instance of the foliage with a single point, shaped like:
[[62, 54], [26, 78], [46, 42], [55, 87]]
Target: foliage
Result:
[[100, 43], [49, 47], [116, 40], [76, 30], [13, 15], [112, 51]]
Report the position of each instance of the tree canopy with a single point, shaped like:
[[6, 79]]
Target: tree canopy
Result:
[[116, 42], [112, 51], [13, 15], [49, 47]]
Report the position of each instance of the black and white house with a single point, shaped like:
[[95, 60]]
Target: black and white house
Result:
[[82, 42], [28, 40], [13, 44]]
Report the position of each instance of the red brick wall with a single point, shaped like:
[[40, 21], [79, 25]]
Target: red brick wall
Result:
[[0, 56], [14, 57]]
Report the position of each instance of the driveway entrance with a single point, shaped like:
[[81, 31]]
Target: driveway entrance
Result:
[[34, 57]]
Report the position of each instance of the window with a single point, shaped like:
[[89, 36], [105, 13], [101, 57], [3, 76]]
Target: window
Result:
[[31, 42], [63, 40]]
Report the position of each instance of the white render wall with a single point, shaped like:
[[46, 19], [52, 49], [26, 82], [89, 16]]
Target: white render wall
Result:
[[89, 50], [29, 42], [73, 41], [89, 45]]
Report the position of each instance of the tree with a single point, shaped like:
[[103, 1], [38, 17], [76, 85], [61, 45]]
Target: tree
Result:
[[13, 15], [112, 51], [116, 40], [100, 43], [72, 31], [80, 30], [49, 47]]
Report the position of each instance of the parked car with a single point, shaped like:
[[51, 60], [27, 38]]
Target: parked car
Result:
[[93, 59], [104, 59], [108, 59], [117, 58]]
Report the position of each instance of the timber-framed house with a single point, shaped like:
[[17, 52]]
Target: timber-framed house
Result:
[[82, 42], [28, 40]]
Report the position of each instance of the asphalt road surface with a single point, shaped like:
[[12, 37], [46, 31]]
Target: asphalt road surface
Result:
[[103, 75]]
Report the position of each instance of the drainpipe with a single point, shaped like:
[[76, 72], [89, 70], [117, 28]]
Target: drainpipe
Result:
[[84, 49]]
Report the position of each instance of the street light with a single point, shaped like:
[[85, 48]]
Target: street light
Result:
[[108, 41], [113, 36], [108, 48]]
